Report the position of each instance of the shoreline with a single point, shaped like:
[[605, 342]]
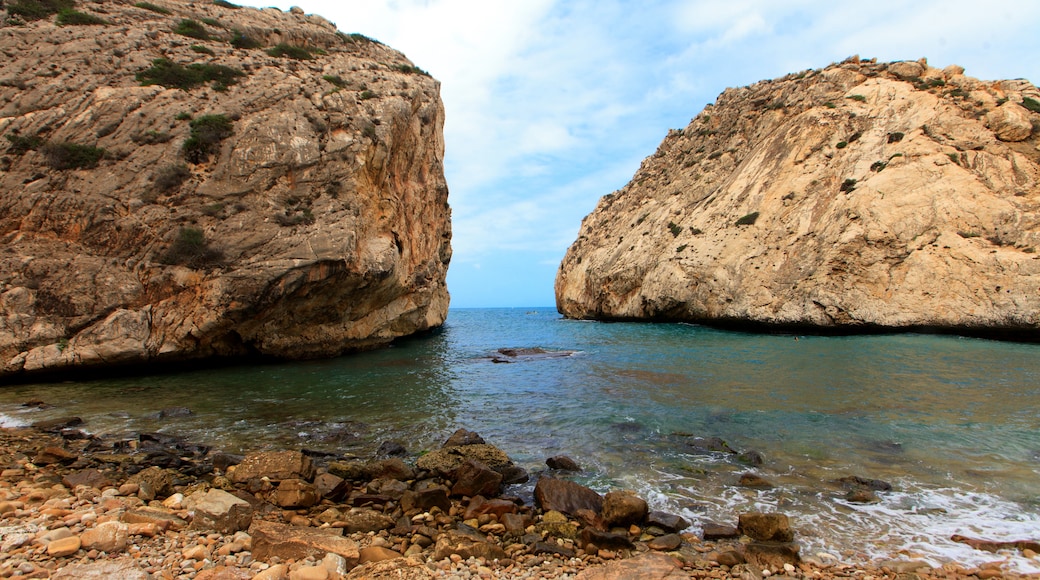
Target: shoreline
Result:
[[159, 506]]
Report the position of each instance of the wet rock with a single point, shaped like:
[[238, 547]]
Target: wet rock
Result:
[[863, 496], [665, 543], [391, 449], [511, 355], [605, 540], [222, 461], [392, 468], [275, 465], [446, 460], [622, 508], [365, 520], [154, 482], [88, 477], [565, 496], [729, 558], [425, 498], [294, 493], [666, 521], [512, 474], [271, 539], [349, 470], [466, 546], [752, 458], [551, 548], [562, 463], [391, 488], [54, 455], [56, 425], [220, 511], [707, 445], [109, 537], [175, 413], [331, 487], [772, 555], [755, 481], [765, 527], [713, 531], [856, 482], [463, 437], [474, 478]]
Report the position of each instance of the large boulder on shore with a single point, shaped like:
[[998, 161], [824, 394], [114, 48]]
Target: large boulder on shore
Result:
[[270, 186], [860, 196]]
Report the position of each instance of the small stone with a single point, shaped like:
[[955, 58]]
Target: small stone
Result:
[[196, 552], [309, 573]]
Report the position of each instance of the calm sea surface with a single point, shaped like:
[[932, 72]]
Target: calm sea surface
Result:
[[952, 423]]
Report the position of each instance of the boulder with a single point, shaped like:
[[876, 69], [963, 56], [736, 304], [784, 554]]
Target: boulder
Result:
[[474, 478], [294, 493], [665, 543], [666, 521], [446, 460], [392, 468], [463, 437], [605, 540], [52, 455], [754, 480], [89, 477], [466, 546], [331, 486], [365, 520], [479, 505], [623, 508], [275, 465], [1010, 122], [154, 482], [219, 511], [772, 555], [565, 496], [426, 498], [712, 531], [765, 527], [271, 539]]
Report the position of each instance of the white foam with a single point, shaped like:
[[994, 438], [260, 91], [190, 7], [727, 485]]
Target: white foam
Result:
[[8, 421]]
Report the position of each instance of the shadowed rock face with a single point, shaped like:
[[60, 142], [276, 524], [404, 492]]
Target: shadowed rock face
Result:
[[316, 222], [859, 196]]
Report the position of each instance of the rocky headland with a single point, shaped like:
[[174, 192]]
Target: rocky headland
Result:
[[190, 181], [152, 505], [861, 196]]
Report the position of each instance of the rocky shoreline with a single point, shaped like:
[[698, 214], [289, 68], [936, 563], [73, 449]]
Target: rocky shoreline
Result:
[[73, 505]]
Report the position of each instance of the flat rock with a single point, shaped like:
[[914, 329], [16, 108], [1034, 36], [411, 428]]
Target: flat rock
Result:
[[622, 508], [650, 566], [219, 511], [275, 465], [123, 569], [271, 539]]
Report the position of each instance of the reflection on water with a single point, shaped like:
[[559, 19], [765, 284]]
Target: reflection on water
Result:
[[953, 423]]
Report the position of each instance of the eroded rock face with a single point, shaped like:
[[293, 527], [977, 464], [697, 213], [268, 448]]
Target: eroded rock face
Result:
[[308, 218], [862, 195]]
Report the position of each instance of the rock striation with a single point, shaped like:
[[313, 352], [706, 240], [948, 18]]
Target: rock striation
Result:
[[196, 180], [861, 196]]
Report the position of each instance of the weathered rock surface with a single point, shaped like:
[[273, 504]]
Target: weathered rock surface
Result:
[[859, 196], [318, 226]]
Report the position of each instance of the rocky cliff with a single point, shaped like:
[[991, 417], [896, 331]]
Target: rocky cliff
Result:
[[859, 196], [192, 180]]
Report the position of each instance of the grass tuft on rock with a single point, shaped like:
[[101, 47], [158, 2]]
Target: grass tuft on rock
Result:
[[748, 220], [152, 7], [281, 50], [192, 29], [169, 74], [72, 155], [30, 10], [70, 17], [206, 134]]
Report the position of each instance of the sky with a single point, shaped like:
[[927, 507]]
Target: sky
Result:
[[552, 104]]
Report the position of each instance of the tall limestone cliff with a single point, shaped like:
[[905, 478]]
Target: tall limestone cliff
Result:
[[861, 196], [194, 180]]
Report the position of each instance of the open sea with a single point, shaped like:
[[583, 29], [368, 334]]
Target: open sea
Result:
[[952, 423]]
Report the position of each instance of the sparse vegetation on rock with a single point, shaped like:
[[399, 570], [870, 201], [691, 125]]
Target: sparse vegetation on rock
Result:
[[70, 17], [71, 155], [169, 74], [283, 50], [206, 134], [192, 249], [192, 29], [38, 9]]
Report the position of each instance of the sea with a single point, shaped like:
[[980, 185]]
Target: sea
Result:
[[952, 423]]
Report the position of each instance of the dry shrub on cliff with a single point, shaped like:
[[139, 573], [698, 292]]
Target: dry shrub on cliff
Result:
[[171, 177], [206, 134], [191, 249], [70, 17], [72, 155], [152, 7], [291, 51], [242, 40], [192, 29]]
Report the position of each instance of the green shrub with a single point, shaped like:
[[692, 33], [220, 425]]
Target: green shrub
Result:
[[240, 39], [290, 51], [878, 166], [191, 249], [336, 80], [192, 29], [167, 73], [170, 177], [696, 231], [213, 209], [857, 98], [895, 137], [152, 7], [225, 4], [206, 134], [409, 69], [848, 185], [70, 17], [955, 158], [38, 9], [1031, 104], [748, 220], [150, 138], [675, 229], [21, 144], [72, 155], [202, 49], [366, 94], [842, 144], [182, 116], [358, 38], [370, 131], [681, 248], [212, 22], [829, 105]]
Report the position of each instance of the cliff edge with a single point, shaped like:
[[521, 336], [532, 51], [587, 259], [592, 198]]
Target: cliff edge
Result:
[[861, 196], [193, 180]]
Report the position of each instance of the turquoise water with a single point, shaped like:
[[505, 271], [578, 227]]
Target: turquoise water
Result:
[[953, 423]]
